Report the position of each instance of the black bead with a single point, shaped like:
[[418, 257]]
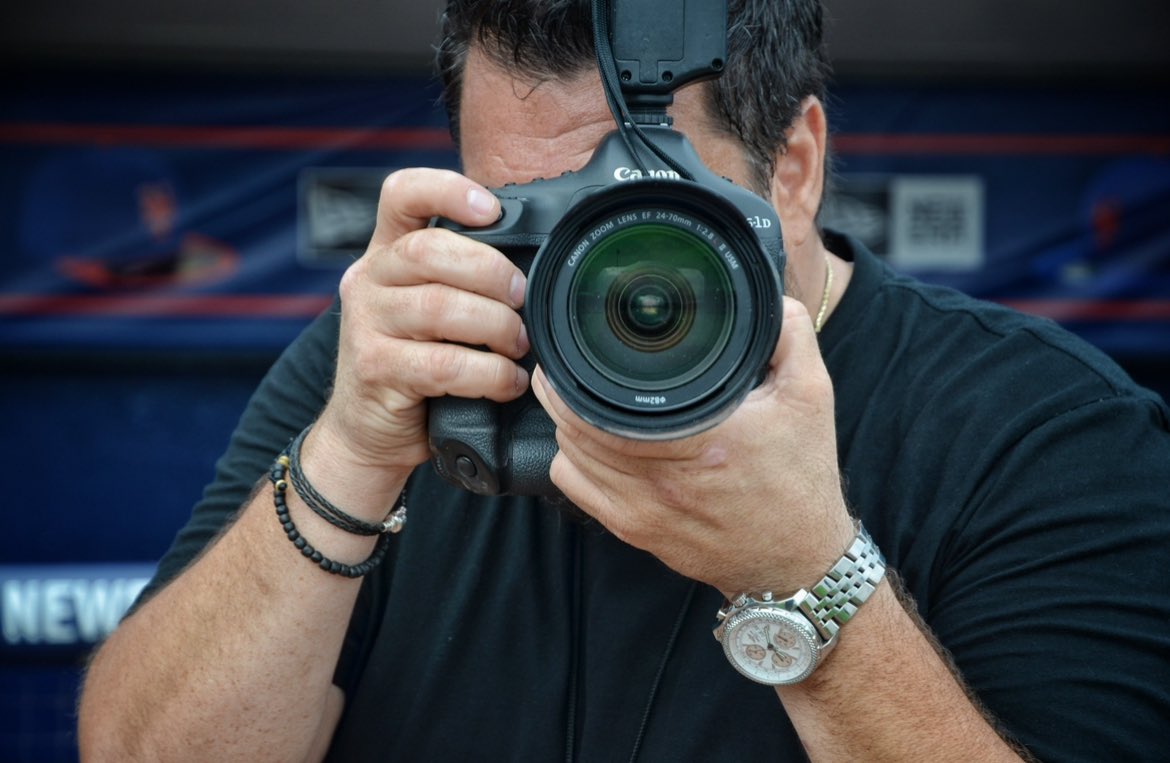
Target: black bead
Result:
[[329, 512]]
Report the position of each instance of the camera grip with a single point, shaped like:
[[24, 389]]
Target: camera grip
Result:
[[492, 449]]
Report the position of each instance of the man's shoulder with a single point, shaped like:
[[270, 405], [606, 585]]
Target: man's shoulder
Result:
[[927, 335]]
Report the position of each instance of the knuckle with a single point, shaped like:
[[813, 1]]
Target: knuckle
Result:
[[351, 281], [414, 248], [433, 303], [443, 364], [499, 269], [364, 366], [670, 491], [393, 183]]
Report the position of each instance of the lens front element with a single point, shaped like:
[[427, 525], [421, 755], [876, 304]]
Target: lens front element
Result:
[[651, 307], [649, 311]]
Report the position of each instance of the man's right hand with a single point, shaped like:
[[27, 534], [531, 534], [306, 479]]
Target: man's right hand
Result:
[[189, 664], [414, 307]]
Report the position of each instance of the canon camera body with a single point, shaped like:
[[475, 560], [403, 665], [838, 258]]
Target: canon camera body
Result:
[[654, 289]]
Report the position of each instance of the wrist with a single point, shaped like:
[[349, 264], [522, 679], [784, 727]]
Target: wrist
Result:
[[364, 489], [799, 556]]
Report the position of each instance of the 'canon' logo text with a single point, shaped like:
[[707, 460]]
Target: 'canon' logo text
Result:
[[625, 173]]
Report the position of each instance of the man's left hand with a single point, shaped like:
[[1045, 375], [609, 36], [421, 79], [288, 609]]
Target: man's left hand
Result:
[[753, 504]]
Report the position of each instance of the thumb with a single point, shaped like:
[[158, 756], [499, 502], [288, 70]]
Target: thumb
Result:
[[410, 198], [797, 359]]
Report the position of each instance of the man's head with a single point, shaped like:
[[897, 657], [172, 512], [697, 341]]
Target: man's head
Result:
[[776, 59]]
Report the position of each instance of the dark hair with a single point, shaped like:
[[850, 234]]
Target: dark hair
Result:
[[775, 58]]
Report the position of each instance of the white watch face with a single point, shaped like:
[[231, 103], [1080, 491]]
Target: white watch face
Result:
[[771, 646]]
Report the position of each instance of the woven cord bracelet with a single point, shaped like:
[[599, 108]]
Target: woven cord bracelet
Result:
[[278, 475], [393, 522]]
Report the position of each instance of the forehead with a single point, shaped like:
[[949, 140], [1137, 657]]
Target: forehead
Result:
[[515, 128]]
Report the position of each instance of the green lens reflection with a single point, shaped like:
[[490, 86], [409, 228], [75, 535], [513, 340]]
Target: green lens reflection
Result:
[[651, 306]]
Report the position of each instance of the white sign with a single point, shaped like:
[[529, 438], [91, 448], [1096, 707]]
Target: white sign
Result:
[[936, 222], [80, 605]]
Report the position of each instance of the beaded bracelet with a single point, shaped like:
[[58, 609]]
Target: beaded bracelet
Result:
[[280, 485], [393, 522]]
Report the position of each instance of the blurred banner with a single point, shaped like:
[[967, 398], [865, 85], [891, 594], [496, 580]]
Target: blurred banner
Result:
[[189, 213], [185, 212], [1054, 201]]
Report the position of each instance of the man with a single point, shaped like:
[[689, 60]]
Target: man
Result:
[[1013, 479]]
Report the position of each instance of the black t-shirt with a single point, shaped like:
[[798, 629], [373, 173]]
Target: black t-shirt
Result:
[[1015, 478]]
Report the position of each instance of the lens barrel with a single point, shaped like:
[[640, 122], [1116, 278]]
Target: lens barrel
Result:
[[653, 308]]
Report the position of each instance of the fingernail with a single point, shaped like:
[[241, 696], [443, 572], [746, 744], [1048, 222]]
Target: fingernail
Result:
[[481, 203], [521, 379], [516, 289], [522, 345]]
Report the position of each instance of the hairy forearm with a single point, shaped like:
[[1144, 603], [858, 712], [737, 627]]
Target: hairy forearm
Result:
[[235, 658], [887, 694]]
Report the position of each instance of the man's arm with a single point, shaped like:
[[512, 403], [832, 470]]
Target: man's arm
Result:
[[774, 461], [234, 659], [889, 693]]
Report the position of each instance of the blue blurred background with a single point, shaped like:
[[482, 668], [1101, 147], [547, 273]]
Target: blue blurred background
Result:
[[181, 187]]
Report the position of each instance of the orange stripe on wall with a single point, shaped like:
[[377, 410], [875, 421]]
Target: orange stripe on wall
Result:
[[1093, 310], [207, 136], [300, 138], [166, 306]]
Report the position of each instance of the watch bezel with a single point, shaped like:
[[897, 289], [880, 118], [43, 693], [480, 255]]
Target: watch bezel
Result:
[[776, 613]]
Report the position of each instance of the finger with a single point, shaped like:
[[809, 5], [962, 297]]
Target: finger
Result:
[[582, 490], [411, 197], [435, 312], [563, 418], [798, 334], [435, 369], [615, 452], [797, 357], [437, 255]]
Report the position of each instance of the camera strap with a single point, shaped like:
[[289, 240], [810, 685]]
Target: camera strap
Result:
[[577, 632]]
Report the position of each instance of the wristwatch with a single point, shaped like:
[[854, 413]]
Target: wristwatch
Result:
[[781, 642]]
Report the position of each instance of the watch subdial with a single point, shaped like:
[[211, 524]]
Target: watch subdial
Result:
[[782, 659], [784, 639]]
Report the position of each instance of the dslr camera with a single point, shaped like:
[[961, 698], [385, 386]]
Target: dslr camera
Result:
[[654, 285]]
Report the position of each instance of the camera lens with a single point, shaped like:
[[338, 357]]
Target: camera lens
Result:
[[650, 307], [653, 307]]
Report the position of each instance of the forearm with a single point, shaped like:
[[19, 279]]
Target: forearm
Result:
[[235, 658], [886, 694]]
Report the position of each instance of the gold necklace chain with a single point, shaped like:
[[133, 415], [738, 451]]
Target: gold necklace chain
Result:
[[820, 321]]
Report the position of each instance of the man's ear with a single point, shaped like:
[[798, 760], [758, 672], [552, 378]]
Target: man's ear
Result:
[[799, 178]]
